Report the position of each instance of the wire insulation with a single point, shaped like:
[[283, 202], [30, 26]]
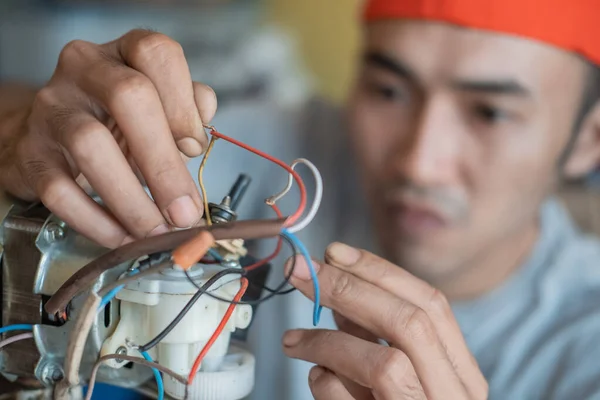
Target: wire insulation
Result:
[[201, 182], [294, 217], [159, 381], [218, 331], [318, 195], [274, 292], [277, 248], [137, 360], [16, 338], [209, 283], [317, 308], [17, 327]]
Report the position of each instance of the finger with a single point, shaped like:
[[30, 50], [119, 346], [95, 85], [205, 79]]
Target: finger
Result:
[[325, 385], [49, 175], [133, 101], [162, 60], [94, 151], [346, 325], [389, 318], [398, 281], [385, 370]]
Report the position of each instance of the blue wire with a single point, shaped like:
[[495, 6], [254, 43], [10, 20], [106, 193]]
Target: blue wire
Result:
[[159, 380], [111, 295], [18, 327], [215, 254], [317, 308]]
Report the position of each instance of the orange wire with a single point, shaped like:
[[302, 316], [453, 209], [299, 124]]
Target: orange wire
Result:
[[294, 217], [218, 331]]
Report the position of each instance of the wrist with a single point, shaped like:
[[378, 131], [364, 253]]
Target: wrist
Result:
[[13, 126]]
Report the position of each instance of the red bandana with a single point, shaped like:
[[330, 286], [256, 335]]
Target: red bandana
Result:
[[573, 25]]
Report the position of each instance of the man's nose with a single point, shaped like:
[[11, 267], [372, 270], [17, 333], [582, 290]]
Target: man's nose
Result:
[[429, 153]]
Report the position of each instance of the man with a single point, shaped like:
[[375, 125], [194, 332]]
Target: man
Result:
[[464, 117]]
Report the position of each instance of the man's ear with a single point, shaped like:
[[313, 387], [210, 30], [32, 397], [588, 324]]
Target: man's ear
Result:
[[585, 155]]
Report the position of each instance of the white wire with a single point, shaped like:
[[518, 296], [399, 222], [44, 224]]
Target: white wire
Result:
[[318, 194], [16, 338]]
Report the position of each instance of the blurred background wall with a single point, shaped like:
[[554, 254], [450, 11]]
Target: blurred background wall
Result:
[[328, 36]]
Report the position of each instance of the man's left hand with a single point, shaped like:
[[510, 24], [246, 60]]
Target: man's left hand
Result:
[[427, 357]]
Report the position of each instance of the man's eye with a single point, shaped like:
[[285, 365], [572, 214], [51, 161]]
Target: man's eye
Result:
[[490, 114], [388, 93]]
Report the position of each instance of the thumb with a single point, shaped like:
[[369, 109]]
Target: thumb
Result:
[[206, 102]]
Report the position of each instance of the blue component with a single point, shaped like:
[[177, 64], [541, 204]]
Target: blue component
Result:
[[18, 327], [318, 308], [104, 391], [159, 381]]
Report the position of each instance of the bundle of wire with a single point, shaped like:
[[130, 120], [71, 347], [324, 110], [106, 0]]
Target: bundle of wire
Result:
[[292, 225]]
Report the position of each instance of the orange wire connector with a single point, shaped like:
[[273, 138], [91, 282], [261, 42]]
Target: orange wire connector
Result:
[[192, 251]]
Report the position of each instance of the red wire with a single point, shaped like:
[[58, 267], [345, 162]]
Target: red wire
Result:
[[277, 249], [218, 331], [294, 217]]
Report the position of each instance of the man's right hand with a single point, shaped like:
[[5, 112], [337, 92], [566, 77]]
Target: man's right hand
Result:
[[112, 116]]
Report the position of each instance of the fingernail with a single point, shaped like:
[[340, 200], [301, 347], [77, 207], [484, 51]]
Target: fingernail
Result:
[[315, 373], [301, 270], [183, 212], [190, 147], [127, 240], [159, 230], [292, 338], [343, 254]]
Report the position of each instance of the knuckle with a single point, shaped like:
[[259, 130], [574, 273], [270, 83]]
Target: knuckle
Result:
[[72, 52], [439, 304], [45, 97], [155, 45], [321, 383], [341, 286], [418, 326], [84, 142], [132, 88], [390, 370], [52, 193]]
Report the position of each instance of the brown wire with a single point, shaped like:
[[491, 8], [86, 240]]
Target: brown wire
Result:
[[82, 279], [137, 360]]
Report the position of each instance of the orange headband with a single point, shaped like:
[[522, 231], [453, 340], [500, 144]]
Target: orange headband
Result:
[[572, 25]]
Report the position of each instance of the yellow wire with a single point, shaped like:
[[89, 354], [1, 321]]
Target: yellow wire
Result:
[[213, 139]]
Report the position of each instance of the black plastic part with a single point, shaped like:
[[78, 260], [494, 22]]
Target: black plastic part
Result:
[[237, 191], [254, 292]]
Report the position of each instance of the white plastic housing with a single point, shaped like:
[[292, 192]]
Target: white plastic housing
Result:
[[149, 305]]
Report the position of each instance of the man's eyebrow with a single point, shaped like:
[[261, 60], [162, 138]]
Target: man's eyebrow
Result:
[[506, 86], [390, 64]]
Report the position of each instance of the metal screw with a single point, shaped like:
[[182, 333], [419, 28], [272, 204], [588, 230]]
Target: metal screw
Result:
[[54, 232], [52, 373], [122, 351], [230, 264]]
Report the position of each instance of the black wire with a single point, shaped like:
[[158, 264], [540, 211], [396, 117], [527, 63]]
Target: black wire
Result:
[[273, 292], [278, 290], [189, 305]]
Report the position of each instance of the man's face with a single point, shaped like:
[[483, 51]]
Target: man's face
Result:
[[458, 134]]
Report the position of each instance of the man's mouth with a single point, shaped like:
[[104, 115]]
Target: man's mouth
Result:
[[416, 219]]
